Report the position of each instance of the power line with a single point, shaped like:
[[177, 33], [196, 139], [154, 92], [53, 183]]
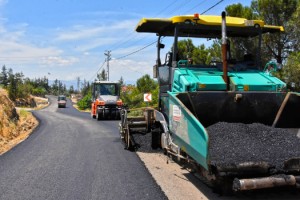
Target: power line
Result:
[[134, 36], [183, 4], [165, 8], [195, 6], [119, 58], [156, 41], [171, 11], [98, 70], [116, 46], [212, 7], [128, 68], [148, 45], [134, 52]]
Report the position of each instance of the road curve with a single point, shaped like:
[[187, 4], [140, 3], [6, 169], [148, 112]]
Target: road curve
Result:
[[71, 156]]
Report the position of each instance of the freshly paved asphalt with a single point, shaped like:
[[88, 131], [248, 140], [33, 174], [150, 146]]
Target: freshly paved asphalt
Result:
[[71, 156]]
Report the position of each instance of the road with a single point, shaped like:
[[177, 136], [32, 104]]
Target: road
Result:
[[71, 156]]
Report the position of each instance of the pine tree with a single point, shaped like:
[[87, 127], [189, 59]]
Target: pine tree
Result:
[[102, 76], [4, 76], [121, 81], [12, 88], [71, 89]]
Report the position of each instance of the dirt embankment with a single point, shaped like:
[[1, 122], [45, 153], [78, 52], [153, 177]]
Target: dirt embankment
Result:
[[15, 124]]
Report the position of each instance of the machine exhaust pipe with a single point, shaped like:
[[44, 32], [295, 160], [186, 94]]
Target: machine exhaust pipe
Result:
[[224, 49], [265, 182]]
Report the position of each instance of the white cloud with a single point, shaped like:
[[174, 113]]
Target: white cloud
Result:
[[15, 49], [79, 32], [37, 51], [56, 60], [94, 43], [88, 37], [110, 13], [130, 69], [82, 32]]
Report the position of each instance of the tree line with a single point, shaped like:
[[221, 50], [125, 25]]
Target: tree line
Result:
[[21, 87]]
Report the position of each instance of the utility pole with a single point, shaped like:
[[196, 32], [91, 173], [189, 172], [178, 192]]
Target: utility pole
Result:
[[107, 53], [78, 83]]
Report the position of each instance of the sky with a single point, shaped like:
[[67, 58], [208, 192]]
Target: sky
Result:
[[66, 39]]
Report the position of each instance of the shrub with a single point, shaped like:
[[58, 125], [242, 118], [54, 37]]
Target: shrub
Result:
[[85, 102]]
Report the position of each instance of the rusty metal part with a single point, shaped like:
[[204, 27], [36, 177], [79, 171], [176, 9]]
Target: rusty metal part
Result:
[[224, 49], [265, 182], [246, 167], [281, 109]]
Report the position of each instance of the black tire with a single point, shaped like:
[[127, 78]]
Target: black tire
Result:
[[98, 116], [118, 116], [156, 138]]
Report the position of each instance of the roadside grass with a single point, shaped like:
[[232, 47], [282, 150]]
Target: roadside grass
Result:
[[136, 113], [23, 113], [77, 108]]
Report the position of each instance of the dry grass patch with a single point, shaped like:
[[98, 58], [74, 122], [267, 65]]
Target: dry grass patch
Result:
[[17, 131], [15, 125]]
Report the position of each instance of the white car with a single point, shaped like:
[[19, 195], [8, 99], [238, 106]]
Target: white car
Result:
[[62, 101]]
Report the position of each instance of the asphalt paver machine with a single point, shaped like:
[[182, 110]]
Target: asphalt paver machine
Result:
[[233, 120]]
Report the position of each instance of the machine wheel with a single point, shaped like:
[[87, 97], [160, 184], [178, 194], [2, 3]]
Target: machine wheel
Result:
[[98, 116], [118, 116], [156, 138]]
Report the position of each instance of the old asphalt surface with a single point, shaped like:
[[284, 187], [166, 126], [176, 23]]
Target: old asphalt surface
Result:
[[71, 156]]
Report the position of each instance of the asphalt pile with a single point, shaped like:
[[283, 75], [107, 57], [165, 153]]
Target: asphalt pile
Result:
[[144, 142], [234, 143]]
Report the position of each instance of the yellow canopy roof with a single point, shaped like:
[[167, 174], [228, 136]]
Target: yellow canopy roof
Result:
[[205, 26]]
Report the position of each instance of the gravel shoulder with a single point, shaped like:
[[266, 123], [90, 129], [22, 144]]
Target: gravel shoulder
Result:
[[175, 181]]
